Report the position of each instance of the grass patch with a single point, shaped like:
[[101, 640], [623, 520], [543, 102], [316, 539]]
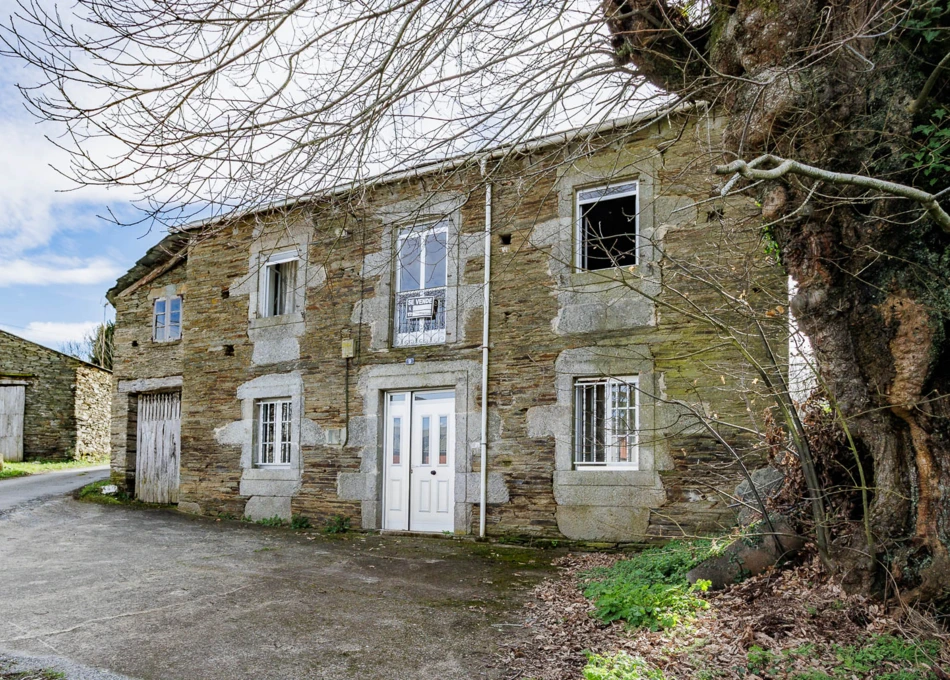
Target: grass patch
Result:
[[274, 521], [619, 666], [39, 674], [92, 493], [650, 589], [38, 467], [883, 657]]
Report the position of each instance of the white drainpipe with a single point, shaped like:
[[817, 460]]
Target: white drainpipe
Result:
[[483, 500]]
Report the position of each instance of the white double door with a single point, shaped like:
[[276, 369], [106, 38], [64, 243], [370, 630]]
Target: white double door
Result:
[[419, 469]]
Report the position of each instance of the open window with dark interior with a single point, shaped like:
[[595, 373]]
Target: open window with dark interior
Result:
[[607, 226]]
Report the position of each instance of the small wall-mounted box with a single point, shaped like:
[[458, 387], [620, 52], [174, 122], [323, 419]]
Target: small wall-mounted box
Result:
[[348, 348]]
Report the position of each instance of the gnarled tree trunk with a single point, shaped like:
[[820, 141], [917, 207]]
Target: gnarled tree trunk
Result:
[[844, 86]]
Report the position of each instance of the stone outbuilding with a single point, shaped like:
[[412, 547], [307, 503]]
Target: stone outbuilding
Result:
[[52, 406], [487, 346]]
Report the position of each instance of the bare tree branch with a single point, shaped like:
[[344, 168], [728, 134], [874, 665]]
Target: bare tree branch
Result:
[[785, 166]]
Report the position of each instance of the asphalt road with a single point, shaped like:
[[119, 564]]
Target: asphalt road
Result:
[[22, 490], [155, 594]]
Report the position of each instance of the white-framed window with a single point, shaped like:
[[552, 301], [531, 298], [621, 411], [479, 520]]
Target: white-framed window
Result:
[[274, 417], [278, 283], [607, 226], [166, 319], [606, 423], [421, 265]]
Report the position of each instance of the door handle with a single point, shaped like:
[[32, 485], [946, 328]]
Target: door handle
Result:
[[433, 472]]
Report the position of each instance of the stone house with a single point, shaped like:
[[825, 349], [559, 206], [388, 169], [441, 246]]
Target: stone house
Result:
[[52, 406], [344, 355]]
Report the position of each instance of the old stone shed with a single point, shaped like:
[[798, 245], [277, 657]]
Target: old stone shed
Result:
[[52, 406], [335, 355]]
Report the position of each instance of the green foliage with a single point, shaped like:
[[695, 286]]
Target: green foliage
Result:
[[299, 521], [883, 657], [650, 589], [886, 651], [35, 467], [932, 155], [759, 659], [39, 674], [274, 521], [927, 19], [336, 524], [620, 666], [769, 244], [93, 494]]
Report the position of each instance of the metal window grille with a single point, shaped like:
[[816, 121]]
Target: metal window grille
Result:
[[274, 438], [606, 423]]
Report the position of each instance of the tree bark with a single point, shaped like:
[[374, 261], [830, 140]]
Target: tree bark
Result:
[[842, 87]]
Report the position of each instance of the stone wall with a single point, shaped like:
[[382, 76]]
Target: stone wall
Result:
[[139, 364], [67, 400], [94, 390], [549, 324]]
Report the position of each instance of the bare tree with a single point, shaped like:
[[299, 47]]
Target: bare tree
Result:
[[95, 347]]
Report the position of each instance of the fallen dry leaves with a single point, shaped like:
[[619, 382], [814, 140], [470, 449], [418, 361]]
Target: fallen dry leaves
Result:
[[779, 610]]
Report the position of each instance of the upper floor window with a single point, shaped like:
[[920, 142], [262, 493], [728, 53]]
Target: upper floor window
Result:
[[607, 227], [273, 432], [279, 283], [606, 423], [166, 319], [420, 285]]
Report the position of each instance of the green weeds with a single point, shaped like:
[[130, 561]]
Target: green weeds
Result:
[[299, 521], [336, 524], [883, 657], [620, 666], [650, 589]]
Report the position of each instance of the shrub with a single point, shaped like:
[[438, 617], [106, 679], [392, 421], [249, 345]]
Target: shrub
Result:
[[650, 589], [274, 521], [336, 524], [299, 521], [620, 666]]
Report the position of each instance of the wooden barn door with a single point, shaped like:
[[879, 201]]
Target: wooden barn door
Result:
[[12, 400], [158, 445]]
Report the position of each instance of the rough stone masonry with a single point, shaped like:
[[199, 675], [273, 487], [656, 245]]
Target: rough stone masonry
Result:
[[67, 402], [553, 325]]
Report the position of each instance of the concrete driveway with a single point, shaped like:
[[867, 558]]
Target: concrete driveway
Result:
[[19, 490], [157, 594]]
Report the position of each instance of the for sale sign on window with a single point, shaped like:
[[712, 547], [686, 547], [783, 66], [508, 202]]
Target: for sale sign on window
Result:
[[420, 307]]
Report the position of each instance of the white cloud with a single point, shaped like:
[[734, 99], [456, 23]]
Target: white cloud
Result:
[[58, 270], [38, 201], [53, 333]]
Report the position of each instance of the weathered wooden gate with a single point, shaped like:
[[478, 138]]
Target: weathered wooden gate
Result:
[[12, 402], [158, 446]]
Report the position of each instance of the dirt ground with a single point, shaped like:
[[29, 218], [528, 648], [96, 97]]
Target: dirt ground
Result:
[[157, 594]]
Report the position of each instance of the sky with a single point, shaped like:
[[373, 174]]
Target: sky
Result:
[[57, 256]]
